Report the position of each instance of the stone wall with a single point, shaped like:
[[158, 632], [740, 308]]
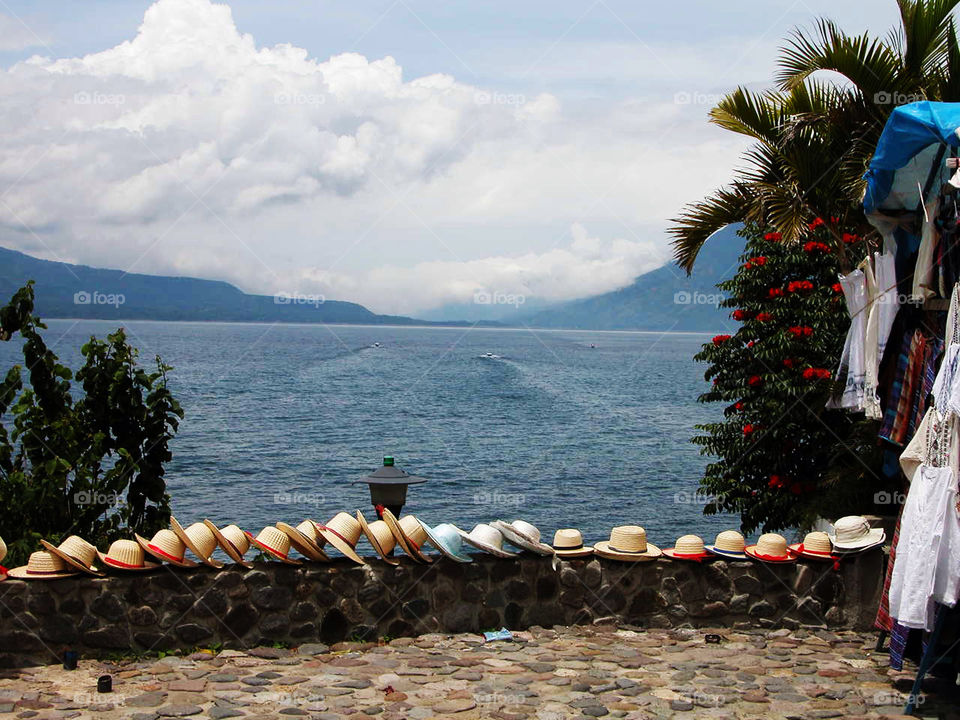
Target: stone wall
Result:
[[180, 609]]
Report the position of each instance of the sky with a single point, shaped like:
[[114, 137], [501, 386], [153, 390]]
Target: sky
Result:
[[403, 154]]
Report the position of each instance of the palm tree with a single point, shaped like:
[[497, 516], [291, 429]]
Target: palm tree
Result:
[[814, 139]]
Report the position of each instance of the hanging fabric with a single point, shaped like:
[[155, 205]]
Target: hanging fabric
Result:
[[852, 360]]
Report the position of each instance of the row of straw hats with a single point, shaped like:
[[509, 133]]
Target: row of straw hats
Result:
[[344, 531]]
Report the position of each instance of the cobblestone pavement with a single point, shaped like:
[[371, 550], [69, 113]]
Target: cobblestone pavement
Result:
[[576, 672]]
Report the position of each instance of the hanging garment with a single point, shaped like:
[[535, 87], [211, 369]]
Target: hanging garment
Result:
[[896, 418], [853, 357], [925, 279], [884, 267], [871, 361], [929, 543]]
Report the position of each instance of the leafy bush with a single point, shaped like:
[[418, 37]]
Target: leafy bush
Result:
[[91, 465], [777, 445]]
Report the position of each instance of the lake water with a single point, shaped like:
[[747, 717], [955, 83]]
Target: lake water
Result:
[[280, 419]]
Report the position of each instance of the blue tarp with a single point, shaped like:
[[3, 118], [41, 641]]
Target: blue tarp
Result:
[[909, 129]]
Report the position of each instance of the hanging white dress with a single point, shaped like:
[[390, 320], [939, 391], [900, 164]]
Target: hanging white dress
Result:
[[852, 361]]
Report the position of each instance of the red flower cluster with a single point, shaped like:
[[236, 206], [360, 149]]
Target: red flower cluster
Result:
[[837, 288], [751, 344], [800, 331], [775, 292], [755, 380], [758, 261], [816, 246], [718, 339], [738, 405], [748, 430], [834, 220], [850, 238], [773, 236], [739, 314], [812, 373], [764, 317], [775, 482], [798, 285], [816, 223], [788, 362]]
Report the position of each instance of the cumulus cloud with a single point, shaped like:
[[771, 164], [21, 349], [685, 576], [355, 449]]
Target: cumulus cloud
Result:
[[190, 149]]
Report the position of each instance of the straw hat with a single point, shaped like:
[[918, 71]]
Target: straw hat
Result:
[[447, 539], [126, 555], [854, 534], [304, 539], [167, 546], [771, 548], [487, 538], [3, 554], [233, 541], [76, 552], [688, 547], [569, 543], [627, 542], [815, 546], [409, 534], [43, 565], [380, 537], [729, 544], [274, 542], [523, 535], [200, 539], [343, 531]]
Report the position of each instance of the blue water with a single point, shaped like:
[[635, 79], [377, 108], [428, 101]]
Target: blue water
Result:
[[281, 418]]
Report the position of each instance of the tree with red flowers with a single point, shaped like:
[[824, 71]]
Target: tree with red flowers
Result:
[[774, 448]]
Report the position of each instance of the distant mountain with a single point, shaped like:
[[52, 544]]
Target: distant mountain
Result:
[[78, 291], [662, 299]]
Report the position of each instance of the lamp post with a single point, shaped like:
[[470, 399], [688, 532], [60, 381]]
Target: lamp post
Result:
[[388, 486]]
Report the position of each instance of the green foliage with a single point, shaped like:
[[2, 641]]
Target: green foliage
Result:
[[777, 442], [91, 466]]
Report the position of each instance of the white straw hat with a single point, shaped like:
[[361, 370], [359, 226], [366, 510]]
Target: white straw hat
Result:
[[688, 547], [167, 546], [233, 541], [729, 544], [448, 540], [126, 555], [200, 539], [343, 531], [304, 539], [275, 542], [487, 538], [523, 535], [3, 554], [76, 552], [568, 542], [815, 546], [43, 565], [627, 542], [854, 534], [380, 537], [409, 534], [770, 548]]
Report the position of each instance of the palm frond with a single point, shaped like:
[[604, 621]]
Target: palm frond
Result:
[[698, 221]]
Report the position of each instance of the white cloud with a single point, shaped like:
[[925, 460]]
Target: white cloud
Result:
[[191, 150], [18, 34]]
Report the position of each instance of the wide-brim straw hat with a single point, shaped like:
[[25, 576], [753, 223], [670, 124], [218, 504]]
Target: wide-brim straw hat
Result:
[[343, 531], [854, 534], [568, 542], [232, 540], [815, 546], [275, 543], [487, 538], [3, 554], [380, 537], [76, 552], [303, 537], [44, 565], [127, 556], [408, 533], [770, 548], [627, 543], [688, 547], [199, 539], [523, 535], [448, 540], [729, 544], [167, 547]]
